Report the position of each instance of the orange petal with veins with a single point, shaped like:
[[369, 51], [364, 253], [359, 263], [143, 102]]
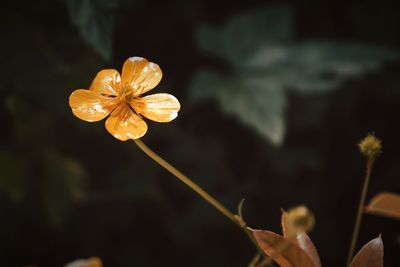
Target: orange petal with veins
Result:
[[157, 107], [124, 124], [140, 75], [90, 105], [106, 82]]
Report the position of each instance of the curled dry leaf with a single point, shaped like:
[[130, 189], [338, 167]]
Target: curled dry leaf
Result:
[[284, 251], [302, 240], [370, 255], [385, 204]]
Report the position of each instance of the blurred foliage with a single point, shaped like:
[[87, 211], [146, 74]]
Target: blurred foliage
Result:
[[13, 176], [266, 61], [69, 191], [91, 262], [59, 180], [95, 20]]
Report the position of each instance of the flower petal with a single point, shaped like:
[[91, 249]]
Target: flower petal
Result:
[[106, 82], [157, 107], [124, 124], [140, 75], [90, 105]]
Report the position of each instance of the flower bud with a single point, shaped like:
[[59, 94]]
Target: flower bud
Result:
[[300, 219]]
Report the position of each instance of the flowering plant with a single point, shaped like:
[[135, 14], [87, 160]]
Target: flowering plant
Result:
[[120, 98]]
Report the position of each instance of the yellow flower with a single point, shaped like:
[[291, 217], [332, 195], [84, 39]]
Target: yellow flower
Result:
[[120, 96]]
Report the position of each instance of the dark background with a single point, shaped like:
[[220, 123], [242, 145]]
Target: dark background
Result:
[[69, 190]]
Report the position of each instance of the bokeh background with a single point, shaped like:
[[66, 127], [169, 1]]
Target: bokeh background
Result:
[[275, 96]]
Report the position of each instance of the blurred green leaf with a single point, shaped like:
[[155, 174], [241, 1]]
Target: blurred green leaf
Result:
[[95, 20], [37, 162], [53, 71], [30, 126], [266, 62], [63, 184], [317, 66], [14, 174], [18, 108], [255, 101], [237, 40]]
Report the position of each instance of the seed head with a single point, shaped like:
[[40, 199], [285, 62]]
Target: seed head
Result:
[[370, 146]]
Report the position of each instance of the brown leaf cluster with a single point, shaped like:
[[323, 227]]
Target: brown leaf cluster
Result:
[[299, 251]]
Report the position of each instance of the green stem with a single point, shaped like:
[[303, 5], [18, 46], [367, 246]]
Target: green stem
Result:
[[267, 261], [256, 258], [186, 180], [370, 163]]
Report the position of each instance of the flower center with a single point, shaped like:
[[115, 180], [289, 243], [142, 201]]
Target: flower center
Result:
[[126, 94]]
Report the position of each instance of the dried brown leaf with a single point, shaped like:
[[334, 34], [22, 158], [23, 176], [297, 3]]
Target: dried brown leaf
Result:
[[370, 255], [385, 204], [302, 240], [284, 251]]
